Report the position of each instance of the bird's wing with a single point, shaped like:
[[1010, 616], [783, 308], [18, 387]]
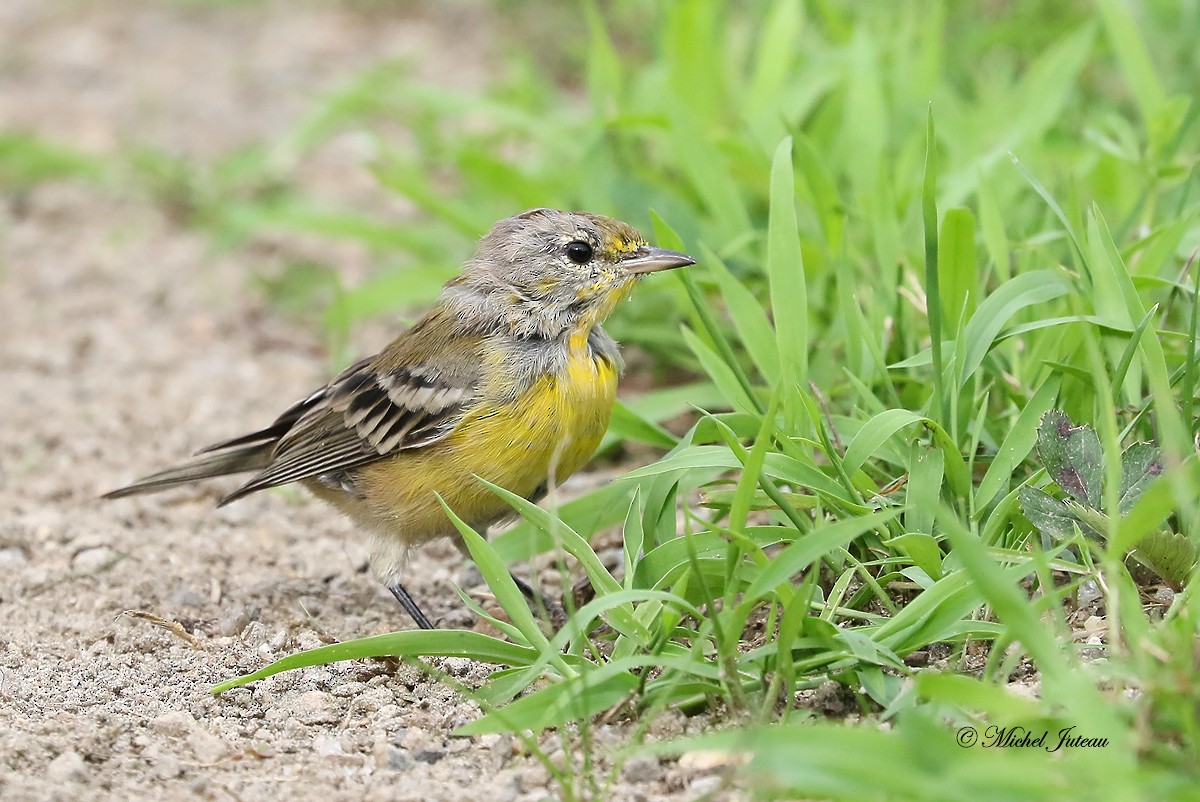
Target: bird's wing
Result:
[[411, 394]]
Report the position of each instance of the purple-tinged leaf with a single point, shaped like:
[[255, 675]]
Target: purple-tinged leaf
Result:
[[1141, 464], [1048, 514], [1072, 456]]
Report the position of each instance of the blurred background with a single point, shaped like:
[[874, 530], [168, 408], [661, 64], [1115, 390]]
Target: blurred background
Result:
[[357, 149]]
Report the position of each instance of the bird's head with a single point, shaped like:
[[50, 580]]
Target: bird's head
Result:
[[550, 271]]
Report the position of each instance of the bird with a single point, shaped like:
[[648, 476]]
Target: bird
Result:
[[510, 377]]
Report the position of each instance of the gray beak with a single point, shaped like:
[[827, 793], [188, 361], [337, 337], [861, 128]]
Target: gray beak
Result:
[[652, 260]]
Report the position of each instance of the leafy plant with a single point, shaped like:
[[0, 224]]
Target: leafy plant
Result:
[[1074, 460]]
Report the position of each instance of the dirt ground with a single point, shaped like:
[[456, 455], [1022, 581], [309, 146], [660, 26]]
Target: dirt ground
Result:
[[127, 343]]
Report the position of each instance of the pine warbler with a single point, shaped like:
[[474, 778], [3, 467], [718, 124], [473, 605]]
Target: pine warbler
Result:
[[510, 377]]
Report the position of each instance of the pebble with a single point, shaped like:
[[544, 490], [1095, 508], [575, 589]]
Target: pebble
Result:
[[503, 747], [705, 761], [166, 767], [67, 767], [316, 707], [93, 560], [176, 723], [397, 759], [207, 748], [702, 786], [532, 777], [641, 769], [253, 633], [668, 724], [429, 756], [187, 598], [233, 621], [12, 558], [308, 640], [327, 746]]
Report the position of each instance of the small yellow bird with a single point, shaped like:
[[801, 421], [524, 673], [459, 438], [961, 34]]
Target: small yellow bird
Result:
[[510, 378]]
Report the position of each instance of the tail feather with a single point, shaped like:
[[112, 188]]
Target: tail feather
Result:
[[241, 460]]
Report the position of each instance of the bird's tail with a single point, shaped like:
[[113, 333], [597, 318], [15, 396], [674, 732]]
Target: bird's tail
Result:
[[237, 460]]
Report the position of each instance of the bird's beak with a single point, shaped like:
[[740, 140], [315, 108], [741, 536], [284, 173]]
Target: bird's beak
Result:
[[652, 260]]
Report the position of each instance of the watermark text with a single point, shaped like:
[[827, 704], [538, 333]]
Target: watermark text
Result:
[[994, 737]]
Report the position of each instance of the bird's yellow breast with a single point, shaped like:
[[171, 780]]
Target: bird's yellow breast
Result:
[[541, 438]]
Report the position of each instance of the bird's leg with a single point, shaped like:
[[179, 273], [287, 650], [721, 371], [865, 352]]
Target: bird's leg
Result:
[[410, 606], [552, 611]]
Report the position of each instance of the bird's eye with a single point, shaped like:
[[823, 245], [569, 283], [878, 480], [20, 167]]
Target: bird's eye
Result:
[[579, 252]]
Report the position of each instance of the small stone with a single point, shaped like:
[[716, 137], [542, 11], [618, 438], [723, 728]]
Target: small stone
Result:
[[187, 597], [641, 769], [174, 723], [93, 560], [207, 748], [308, 640], [1088, 593], [458, 666], [532, 777], [327, 746], [233, 621], [311, 605], [166, 767], [253, 633], [12, 558], [397, 759], [67, 767], [429, 756], [703, 786], [707, 761], [315, 707], [503, 747], [668, 724]]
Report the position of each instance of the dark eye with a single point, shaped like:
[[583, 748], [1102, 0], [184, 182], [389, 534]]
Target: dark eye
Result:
[[579, 252]]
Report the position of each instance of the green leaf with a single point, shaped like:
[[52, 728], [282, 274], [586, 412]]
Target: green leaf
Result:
[[879, 429], [874, 433], [411, 643], [785, 266], [922, 549], [1017, 444], [804, 552], [495, 573], [958, 268], [1073, 458], [933, 292], [926, 472], [1141, 464], [748, 318], [1027, 289], [660, 566], [774, 55], [26, 160], [628, 425], [1170, 555], [1051, 516], [721, 374], [575, 699], [1134, 58]]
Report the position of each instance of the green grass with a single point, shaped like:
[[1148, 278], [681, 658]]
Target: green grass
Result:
[[921, 226]]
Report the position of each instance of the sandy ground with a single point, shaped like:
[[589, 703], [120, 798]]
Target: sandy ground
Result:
[[127, 344]]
